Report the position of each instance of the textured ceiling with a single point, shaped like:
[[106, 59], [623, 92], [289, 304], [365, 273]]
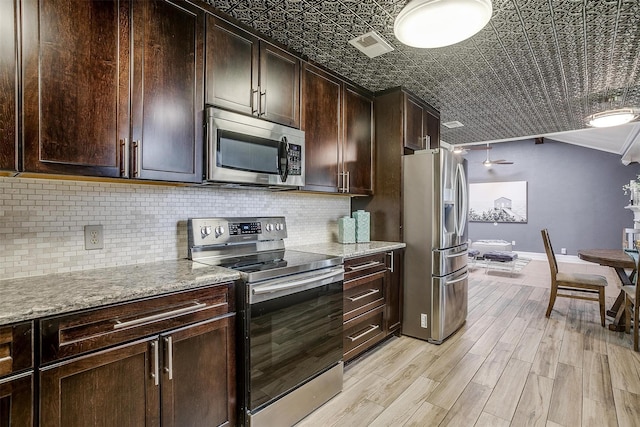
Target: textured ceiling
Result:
[[538, 67]]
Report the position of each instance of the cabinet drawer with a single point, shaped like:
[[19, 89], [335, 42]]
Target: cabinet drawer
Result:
[[362, 332], [73, 334], [16, 348], [363, 294], [364, 265]]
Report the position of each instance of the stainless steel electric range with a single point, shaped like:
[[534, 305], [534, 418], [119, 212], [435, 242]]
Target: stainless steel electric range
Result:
[[289, 314]]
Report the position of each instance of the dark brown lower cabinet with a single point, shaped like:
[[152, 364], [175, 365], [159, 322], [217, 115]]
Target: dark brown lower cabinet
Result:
[[16, 401], [393, 306], [372, 300], [182, 378], [109, 388], [198, 379]]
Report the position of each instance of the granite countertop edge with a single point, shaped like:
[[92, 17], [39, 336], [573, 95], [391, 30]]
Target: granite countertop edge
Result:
[[29, 298]]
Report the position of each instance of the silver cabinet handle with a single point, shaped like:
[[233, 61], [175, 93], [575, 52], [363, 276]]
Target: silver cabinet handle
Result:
[[196, 306], [366, 294], [136, 158], [341, 182], [155, 374], [346, 189], [263, 110], [168, 343], [124, 158], [254, 102], [363, 266], [390, 254], [368, 331]]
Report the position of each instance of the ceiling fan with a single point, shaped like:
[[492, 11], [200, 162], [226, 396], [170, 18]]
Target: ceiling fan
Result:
[[488, 162]]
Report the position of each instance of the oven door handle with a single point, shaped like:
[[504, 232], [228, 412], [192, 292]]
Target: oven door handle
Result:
[[296, 283]]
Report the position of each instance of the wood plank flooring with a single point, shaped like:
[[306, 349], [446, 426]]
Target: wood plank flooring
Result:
[[507, 366]]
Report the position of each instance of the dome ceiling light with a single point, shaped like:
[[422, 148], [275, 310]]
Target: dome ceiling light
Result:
[[437, 23], [610, 118]]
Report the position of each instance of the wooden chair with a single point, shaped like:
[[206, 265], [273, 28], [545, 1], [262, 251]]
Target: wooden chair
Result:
[[572, 282], [631, 295]]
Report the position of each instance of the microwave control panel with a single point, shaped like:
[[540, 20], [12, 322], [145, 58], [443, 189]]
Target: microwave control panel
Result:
[[295, 159]]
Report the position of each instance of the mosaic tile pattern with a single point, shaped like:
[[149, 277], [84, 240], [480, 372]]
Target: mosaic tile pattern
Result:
[[42, 221], [538, 67]]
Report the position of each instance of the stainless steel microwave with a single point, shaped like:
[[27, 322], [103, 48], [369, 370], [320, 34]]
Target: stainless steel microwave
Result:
[[246, 150]]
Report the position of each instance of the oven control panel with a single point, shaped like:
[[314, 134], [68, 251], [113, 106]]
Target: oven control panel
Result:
[[216, 231]]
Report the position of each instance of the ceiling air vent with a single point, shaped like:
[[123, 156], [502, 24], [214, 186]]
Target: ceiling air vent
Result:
[[371, 44], [453, 124]]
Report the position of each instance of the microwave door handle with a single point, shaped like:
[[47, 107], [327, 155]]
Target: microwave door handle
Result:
[[283, 164]]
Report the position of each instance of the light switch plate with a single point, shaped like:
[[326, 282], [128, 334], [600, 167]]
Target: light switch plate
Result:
[[93, 237]]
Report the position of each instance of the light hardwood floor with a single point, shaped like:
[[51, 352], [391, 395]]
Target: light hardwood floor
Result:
[[507, 366]]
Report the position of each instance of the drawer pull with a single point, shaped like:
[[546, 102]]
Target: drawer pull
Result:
[[160, 316], [366, 294], [363, 266], [368, 331]]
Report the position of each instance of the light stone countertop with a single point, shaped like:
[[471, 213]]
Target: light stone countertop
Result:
[[40, 296], [349, 250], [35, 297]]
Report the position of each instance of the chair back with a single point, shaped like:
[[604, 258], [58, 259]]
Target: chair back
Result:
[[553, 265]]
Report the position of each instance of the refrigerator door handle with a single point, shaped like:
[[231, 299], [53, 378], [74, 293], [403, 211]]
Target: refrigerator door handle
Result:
[[461, 208], [460, 279]]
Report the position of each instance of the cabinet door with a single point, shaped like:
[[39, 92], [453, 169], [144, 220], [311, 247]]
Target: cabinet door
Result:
[[16, 401], [109, 388], [432, 129], [321, 122], [279, 96], [198, 380], [393, 314], [8, 86], [76, 85], [167, 99], [413, 125], [232, 67], [357, 144]]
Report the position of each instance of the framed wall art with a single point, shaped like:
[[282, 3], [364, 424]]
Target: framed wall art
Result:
[[498, 202]]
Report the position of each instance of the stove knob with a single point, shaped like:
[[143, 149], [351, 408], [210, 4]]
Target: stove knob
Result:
[[219, 231], [205, 231], [269, 227], [279, 226]]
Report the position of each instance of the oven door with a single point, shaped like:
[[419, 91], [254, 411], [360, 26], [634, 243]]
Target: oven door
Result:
[[295, 333]]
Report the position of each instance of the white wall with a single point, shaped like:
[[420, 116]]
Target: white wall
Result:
[[41, 221]]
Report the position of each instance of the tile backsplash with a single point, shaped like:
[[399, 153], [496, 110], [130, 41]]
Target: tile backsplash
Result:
[[42, 221]]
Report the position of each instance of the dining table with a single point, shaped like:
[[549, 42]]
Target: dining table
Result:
[[625, 268]]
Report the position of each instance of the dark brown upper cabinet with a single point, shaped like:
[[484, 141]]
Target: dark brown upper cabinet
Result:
[[8, 86], [421, 125], [337, 120], [248, 75], [113, 88], [357, 155], [167, 102]]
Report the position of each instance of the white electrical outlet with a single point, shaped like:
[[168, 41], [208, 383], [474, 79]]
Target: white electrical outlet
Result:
[[93, 237], [563, 251], [513, 243], [423, 320]]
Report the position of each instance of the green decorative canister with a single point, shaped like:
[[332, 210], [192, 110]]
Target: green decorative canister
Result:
[[363, 226], [346, 230]]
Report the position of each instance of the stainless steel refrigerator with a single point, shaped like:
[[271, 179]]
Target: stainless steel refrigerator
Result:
[[435, 195]]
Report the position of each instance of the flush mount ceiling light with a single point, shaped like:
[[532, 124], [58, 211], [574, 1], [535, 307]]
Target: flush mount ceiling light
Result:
[[612, 117], [437, 23]]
